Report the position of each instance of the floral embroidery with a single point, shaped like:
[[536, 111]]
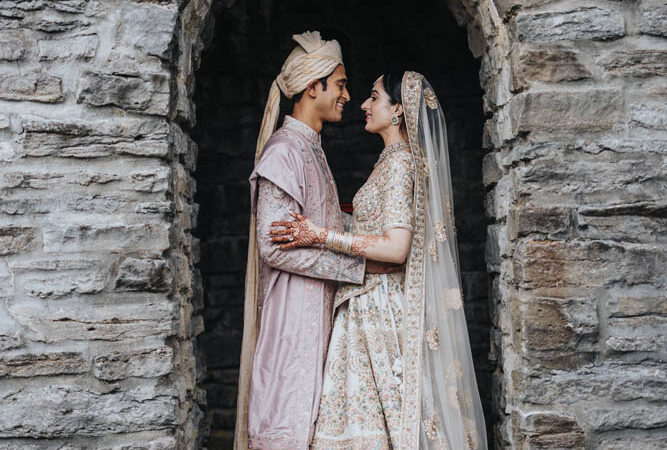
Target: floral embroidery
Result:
[[454, 372], [452, 298], [433, 251], [361, 394], [431, 427], [430, 98], [453, 397], [440, 230], [430, 167], [432, 338], [470, 440]]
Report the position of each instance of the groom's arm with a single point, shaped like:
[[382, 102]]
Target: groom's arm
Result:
[[274, 204]]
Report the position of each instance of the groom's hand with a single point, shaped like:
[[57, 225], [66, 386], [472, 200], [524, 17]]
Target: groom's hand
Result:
[[383, 267]]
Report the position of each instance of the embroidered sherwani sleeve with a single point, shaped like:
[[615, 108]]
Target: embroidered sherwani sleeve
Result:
[[274, 204]]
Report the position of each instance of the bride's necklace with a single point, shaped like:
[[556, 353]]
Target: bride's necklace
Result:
[[392, 148]]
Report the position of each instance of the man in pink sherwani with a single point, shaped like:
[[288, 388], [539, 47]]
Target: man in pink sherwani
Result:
[[289, 294]]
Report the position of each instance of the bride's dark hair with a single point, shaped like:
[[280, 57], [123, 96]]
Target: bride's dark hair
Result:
[[392, 82]]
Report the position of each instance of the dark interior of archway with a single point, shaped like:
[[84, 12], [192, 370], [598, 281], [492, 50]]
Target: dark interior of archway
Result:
[[249, 41]]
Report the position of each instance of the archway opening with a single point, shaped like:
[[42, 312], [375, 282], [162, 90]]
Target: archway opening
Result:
[[250, 40]]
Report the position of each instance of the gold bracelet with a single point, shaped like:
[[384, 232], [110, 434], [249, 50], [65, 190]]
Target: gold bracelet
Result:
[[339, 242]]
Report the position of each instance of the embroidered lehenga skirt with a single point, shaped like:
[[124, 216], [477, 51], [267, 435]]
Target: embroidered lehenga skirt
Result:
[[360, 406]]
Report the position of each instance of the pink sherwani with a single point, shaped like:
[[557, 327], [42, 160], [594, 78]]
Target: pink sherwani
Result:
[[296, 289]]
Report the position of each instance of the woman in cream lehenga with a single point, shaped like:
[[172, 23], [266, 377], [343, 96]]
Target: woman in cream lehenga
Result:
[[399, 371]]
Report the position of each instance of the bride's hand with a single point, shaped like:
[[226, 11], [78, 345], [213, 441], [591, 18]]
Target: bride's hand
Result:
[[299, 233]]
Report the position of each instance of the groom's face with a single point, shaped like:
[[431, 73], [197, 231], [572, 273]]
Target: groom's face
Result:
[[330, 102]]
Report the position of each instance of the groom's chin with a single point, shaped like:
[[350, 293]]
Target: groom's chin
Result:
[[335, 117]]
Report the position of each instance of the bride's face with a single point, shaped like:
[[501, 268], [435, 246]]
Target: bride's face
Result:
[[378, 109]]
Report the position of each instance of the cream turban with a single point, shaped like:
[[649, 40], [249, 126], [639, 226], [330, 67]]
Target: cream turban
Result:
[[312, 59]]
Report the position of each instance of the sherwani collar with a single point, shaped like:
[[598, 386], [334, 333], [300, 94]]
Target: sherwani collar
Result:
[[311, 135]]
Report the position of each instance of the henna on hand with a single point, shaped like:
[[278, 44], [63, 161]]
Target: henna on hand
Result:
[[299, 233], [361, 243]]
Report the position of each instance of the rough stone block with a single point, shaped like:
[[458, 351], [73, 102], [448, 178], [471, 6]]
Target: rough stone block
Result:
[[35, 87], [505, 6], [31, 365], [597, 175], [548, 222], [636, 63], [557, 324], [151, 275], [653, 17], [641, 333], [154, 180], [622, 417], [649, 115], [148, 27], [69, 6], [90, 139], [154, 208], [634, 442], [582, 23], [59, 277], [62, 284], [623, 228], [496, 246], [107, 237], [13, 46], [15, 239], [492, 171], [636, 306], [79, 47], [147, 440], [637, 344], [143, 93], [57, 179], [60, 411], [590, 383], [58, 24], [551, 429], [146, 363], [591, 109], [553, 264], [550, 63], [108, 318]]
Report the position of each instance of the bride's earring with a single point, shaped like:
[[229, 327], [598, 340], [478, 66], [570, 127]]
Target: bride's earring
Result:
[[395, 120]]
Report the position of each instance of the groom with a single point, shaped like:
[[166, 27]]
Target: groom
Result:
[[294, 289]]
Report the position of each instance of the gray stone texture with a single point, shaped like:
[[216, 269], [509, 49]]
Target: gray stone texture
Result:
[[104, 290], [653, 17], [580, 23]]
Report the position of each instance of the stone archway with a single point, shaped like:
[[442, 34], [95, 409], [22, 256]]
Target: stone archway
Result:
[[238, 66], [101, 293]]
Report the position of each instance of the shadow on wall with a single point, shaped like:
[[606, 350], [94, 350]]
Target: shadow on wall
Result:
[[248, 44]]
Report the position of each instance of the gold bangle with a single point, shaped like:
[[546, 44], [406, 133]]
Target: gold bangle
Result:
[[339, 242]]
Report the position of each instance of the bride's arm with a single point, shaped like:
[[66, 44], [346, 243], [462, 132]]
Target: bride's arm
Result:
[[393, 246]]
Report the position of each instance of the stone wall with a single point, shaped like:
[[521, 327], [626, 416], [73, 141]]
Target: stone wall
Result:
[[575, 95], [101, 295], [99, 299]]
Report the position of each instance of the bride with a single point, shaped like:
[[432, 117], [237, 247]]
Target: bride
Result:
[[399, 371]]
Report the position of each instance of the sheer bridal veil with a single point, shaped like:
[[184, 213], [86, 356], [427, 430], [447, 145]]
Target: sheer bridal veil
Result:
[[441, 406]]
